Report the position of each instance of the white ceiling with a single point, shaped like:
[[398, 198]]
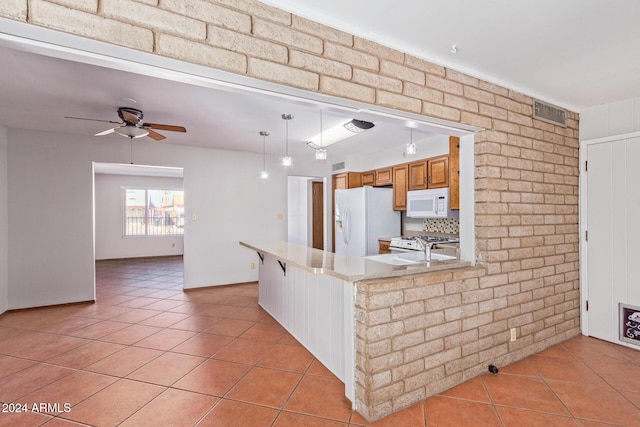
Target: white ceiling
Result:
[[38, 91], [574, 53]]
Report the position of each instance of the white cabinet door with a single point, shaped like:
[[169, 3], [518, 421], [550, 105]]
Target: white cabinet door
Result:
[[612, 218]]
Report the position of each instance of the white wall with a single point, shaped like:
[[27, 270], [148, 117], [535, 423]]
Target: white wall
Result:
[[616, 118], [297, 207], [431, 147], [110, 242], [50, 217], [4, 226]]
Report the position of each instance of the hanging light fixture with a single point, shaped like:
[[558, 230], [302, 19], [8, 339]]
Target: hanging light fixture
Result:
[[264, 174], [286, 160], [411, 146], [321, 152]]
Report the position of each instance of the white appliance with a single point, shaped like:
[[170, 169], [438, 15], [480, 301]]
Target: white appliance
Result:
[[433, 203], [409, 244], [362, 216]]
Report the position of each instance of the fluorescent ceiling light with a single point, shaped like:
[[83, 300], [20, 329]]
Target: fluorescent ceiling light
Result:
[[340, 133], [131, 131]]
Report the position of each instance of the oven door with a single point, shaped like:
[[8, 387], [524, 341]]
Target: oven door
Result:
[[395, 250]]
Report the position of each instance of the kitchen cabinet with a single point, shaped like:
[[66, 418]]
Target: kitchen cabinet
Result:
[[378, 177], [347, 180], [384, 246], [418, 175], [400, 183], [454, 172], [429, 173], [369, 178], [438, 172], [384, 177]]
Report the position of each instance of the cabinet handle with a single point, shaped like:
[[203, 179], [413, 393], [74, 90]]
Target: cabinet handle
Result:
[[429, 179]]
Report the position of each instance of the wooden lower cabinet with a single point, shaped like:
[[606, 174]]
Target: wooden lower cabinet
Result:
[[400, 184], [384, 246]]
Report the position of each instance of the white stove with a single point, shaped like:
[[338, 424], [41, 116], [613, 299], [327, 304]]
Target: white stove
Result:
[[406, 244]]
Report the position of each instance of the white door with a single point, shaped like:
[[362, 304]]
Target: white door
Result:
[[612, 218]]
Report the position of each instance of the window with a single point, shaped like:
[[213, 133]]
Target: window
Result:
[[149, 212]]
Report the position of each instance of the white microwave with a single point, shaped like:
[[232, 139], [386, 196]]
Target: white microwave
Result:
[[433, 203]]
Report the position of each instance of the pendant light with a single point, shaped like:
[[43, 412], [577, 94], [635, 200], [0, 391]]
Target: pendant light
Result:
[[264, 174], [411, 146], [321, 153], [286, 160]]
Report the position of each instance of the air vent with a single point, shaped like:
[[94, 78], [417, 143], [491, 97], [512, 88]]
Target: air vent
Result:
[[549, 113], [337, 166]]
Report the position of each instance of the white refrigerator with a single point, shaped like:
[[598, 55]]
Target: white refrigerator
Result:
[[362, 216]]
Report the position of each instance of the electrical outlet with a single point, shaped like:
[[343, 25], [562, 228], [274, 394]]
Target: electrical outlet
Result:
[[253, 265], [513, 334], [194, 217]]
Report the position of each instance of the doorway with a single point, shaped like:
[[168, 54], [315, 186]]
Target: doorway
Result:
[[138, 212], [305, 211], [317, 209]]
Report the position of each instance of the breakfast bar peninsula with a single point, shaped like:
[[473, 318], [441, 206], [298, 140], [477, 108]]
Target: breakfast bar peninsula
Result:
[[381, 325]]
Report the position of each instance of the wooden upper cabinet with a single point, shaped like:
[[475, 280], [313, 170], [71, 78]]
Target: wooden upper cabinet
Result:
[[417, 175], [347, 180], [384, 177], [368, 178], [438, 172], [454, 172], [429, 173], [400, 183], [378, 177]]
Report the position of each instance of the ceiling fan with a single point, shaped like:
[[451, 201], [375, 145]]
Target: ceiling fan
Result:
[[132, 125]]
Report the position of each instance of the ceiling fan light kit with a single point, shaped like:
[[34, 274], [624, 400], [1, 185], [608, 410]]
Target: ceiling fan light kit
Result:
[[131, 131], [132, 125]]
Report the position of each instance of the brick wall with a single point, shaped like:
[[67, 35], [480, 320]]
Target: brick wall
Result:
[[526, 181]]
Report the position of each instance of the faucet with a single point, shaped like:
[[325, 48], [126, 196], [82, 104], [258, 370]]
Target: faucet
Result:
[[425, 246]]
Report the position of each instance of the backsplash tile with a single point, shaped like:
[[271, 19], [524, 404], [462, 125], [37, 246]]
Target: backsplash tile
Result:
[[441, 225]]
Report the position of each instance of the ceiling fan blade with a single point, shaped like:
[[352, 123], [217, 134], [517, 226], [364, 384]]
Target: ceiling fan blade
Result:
[[105, 132], [129, 117], [155, 135], [164, 127], [93, 120]]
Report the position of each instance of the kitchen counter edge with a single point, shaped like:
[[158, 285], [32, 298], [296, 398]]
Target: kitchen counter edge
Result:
[[347, 268]]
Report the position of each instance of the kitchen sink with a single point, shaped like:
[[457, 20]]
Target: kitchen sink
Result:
[[406, 258]]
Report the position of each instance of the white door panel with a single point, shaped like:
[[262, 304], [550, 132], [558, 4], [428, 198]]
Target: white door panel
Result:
[[612, 217]]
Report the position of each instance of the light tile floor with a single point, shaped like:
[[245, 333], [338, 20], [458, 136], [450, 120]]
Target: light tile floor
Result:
[[149, 354]]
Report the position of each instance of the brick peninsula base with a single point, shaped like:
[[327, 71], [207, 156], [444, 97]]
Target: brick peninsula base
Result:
[[419, 335]]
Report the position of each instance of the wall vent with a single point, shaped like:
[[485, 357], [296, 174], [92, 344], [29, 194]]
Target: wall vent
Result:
[[337, 166], [549, 113]]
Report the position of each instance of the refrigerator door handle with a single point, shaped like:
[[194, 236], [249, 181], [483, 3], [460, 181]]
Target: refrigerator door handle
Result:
[[345, 226]]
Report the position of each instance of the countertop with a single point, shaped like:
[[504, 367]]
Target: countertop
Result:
[[347, 268]]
